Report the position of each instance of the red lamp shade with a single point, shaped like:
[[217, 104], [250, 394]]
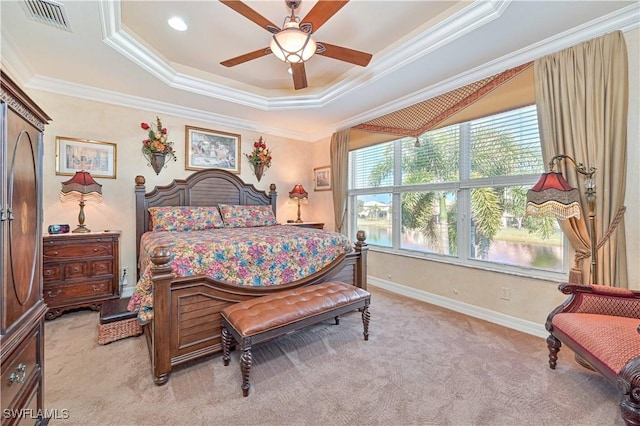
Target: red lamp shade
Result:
[[81, 187], [82, 183], [553, 196], [298, 192]]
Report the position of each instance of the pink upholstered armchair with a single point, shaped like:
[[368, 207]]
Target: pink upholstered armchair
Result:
[[601, 325]]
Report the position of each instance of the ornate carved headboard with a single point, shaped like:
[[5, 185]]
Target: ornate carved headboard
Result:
[[208, 187]]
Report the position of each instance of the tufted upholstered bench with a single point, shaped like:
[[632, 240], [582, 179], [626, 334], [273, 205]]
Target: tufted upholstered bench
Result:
[[257, 320], [600, 325]]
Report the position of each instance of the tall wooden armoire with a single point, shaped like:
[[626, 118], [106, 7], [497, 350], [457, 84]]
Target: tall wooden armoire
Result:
[[22, 307]]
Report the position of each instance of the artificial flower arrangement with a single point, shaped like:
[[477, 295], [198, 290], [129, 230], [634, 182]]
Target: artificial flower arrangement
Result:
[[158, 142], [261, 155]]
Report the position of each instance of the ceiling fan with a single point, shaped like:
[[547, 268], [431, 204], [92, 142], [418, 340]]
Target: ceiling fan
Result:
[[294, 43]]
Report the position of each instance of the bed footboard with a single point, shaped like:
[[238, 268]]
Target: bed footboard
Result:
[[186, 321]]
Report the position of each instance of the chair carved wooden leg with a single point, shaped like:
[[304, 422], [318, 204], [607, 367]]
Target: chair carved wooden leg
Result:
[[245, 365], [629, 385], [366, 317], [554, 347]]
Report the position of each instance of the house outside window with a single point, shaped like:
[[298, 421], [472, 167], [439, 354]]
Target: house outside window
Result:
[[458, 194]]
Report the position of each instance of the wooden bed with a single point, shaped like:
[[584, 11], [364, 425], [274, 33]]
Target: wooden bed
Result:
[[186, 310]]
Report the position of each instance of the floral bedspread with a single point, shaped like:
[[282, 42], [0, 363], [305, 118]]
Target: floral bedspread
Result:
[[259, 256]]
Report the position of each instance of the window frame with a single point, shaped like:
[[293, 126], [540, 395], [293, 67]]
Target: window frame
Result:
[[462, 187]]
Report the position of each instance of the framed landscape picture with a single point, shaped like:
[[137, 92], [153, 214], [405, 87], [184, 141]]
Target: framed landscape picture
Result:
[[211, 149], [97, 158], [322, 178]]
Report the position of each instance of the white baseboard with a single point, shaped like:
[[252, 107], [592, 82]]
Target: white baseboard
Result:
[[126, 292], [509, 321]]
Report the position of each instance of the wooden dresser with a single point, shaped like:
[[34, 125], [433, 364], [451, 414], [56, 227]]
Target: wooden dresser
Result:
[[22, 308], [80, 270]]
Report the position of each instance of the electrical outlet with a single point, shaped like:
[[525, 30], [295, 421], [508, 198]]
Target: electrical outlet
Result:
[[124, 276], [505, 293]]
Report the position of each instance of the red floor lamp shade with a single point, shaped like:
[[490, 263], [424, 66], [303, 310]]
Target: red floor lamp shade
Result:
[[553, 196]]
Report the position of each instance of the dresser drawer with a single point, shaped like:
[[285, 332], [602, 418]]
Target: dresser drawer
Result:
[[17, 371], [101, 267], [76, 270], [52, 272], [68, 292], [57, 250]]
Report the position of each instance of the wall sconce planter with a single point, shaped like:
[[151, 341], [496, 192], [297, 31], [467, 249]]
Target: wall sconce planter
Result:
[[259, 158], [258, 170], [156, 161], [157, 147]]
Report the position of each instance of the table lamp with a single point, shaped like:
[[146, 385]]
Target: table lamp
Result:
[[81, 187], [299, 194]]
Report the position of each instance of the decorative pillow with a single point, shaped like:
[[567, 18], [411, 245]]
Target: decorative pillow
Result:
[[247, 216], [185, 218]]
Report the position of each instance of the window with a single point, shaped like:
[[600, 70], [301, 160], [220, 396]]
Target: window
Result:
[[458, 193]]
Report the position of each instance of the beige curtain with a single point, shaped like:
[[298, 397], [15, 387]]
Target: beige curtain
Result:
[[582, 99], [339, 177]]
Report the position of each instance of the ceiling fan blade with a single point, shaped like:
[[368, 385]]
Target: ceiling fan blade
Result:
[[246, 57], [344, 54], [321, 12], [299, 76], [251, 14]]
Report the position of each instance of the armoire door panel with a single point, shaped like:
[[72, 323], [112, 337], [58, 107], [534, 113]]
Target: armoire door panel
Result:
[[23, 218]]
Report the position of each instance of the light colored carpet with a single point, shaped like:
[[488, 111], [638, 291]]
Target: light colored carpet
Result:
[[422, 365]]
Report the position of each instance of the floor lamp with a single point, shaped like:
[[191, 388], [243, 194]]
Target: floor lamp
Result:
[[553, 196]]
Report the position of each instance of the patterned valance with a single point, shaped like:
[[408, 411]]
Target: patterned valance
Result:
[[442, 110]]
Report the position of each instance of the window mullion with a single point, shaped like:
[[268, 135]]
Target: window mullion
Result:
[[396, 207], [464, 202]]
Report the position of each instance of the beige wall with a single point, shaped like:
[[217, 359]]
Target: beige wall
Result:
[[78, 118]]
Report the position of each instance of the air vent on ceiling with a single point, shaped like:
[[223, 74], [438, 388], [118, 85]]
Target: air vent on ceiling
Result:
[[48, 12]]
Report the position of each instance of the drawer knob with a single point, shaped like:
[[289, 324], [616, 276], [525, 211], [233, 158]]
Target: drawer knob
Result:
[[98, 287], [19, 375], [55, 253], [76, 269], [53, 295], [47, 272], [95, 249]]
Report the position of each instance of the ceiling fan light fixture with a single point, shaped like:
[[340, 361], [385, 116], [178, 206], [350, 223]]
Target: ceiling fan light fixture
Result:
[[293, 45]]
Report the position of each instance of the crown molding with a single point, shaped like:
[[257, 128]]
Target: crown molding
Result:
[[625, 19], [116, 98], [478, 13]]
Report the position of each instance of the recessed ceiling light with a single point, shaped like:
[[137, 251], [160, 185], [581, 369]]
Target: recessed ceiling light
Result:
[[177, 24]]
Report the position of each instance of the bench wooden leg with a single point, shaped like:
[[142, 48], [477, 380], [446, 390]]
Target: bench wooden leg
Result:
[[366, 316], [226, 343], [337, 320], [245, 365]]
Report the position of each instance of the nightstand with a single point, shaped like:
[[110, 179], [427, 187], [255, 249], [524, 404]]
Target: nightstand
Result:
[[80, 270], [315, 225]]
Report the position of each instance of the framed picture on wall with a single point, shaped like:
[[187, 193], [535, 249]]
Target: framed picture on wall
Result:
[[97, 158], [322, 178], [211, 149]]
